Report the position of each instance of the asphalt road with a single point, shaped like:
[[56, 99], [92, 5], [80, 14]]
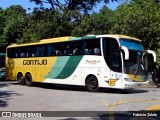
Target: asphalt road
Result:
[[48, 97]]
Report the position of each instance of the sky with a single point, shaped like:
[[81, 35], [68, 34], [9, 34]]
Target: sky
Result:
[[27, 4]]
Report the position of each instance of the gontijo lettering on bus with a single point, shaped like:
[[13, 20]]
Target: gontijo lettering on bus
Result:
[[35, 62]]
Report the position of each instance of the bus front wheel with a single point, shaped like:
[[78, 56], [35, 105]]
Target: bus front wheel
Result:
[[28, 79], [20, 79], [92, 84]]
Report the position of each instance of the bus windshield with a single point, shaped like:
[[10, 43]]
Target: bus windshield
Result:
[[135, 65]]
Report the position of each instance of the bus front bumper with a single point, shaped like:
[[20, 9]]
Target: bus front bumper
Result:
[[128, 85]]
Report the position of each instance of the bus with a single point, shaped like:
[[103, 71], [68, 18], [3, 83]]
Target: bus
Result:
[[94, 61], [2, 60]]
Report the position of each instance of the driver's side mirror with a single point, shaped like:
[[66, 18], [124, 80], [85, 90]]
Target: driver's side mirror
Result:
[[126, 52]]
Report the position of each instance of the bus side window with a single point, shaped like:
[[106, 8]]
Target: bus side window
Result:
[[15, 54], [23, 55], [75, 48], [50, 49], [88, 51], [33, 55], [75, 51], [96, 51], [58, 52], [65, 52], [59, 49], [92, 47], [28, 51], [19, 53], [40, 51], [66, 49], [11, 52], [33, 51]]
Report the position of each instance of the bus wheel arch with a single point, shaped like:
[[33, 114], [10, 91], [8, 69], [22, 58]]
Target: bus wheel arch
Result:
[[28, 79], [91, 82], [20, 78]]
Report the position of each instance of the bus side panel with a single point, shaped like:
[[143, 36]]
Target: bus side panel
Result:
[[105, 76], [43, 69], [65, 70], [22, 65], [91, 67], [11, 68]]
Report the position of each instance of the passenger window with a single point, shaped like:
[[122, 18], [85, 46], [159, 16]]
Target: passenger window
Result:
[[73, 48], [50, 50], [41, 51], [92, 47]]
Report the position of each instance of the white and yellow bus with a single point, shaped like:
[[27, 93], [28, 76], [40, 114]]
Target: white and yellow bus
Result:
[[94, 61]]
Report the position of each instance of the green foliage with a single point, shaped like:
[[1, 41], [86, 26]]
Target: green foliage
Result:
[[158, 55], [139, 19], [12, 23], [97, 23], [82, 5], [43, 23], [38, 25]]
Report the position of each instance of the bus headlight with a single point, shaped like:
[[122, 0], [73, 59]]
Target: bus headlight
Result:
[[128, 79]]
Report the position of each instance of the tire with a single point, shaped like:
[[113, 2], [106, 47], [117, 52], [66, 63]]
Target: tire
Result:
[[20, 79], [28, 80], [92, 84]]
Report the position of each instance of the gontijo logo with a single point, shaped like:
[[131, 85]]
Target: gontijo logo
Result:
[[35, 62]]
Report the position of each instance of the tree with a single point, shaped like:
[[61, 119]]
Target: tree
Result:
[[96, 23], [2, 24], [38, 25], [43, 24], [139, 19], [84, 5], [12, 20]]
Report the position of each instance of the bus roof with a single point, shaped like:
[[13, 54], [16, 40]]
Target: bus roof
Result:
[[70, 38], [119, 36]]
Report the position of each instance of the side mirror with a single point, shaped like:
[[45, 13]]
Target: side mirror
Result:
[[126, 52], [153, 54]]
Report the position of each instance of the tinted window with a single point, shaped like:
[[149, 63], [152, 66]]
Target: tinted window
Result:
[[92, 47], [112, 54], [87, 47], [41, 51]]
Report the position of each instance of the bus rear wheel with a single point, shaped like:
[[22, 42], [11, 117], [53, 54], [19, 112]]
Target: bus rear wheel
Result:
[[20, 79], [28, 79], [92, 84]]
